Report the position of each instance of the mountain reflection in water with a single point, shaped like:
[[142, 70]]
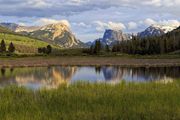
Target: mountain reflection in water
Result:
[[52, 77]]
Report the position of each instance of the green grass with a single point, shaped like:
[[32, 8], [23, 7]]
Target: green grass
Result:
[[24, 44], [83, 101]]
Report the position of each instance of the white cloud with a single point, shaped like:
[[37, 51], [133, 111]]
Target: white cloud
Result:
[[152, 2], [101, 26], [45, 21], [22, 24], [81, 24], [175, 23], [81, 13], [149, 21], [132, 25], [162, 3], [38, 3]]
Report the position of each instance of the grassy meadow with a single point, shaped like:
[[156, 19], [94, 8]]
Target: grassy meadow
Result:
[[24, 44], [85, 101]]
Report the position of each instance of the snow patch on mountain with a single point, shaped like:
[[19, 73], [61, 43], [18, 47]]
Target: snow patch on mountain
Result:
[[156, 30]]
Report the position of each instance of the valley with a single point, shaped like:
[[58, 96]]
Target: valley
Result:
[[89, 60], [155, 40], [104, 52]]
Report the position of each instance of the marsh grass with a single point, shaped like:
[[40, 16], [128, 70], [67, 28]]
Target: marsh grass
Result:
[[85, 101]]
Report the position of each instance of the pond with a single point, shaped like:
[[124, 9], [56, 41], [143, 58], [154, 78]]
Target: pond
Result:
[[52, 77]]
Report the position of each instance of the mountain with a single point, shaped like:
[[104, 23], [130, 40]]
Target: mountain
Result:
[[10, 26], [58, 34], [18, 28], [111, 37], [178, 28], [89, 43], [23, 44], [166, 43], [156, 30], [5, 30]]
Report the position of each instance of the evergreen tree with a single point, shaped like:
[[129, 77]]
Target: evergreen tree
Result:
[[40, 50], [11, 48], [44, 50], [107, 48], [91, 49], [2, 46], [97, 47], [48, 49], [114, 49]]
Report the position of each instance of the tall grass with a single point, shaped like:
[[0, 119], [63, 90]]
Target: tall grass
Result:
[[83, 101]]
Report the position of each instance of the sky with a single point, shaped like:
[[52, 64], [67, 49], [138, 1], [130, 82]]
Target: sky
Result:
[[88, 19]]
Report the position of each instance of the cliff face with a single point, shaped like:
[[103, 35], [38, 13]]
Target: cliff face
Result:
[[59, 34], [113, 36]]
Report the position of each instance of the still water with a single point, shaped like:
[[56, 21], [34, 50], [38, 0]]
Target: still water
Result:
[[52, 77]]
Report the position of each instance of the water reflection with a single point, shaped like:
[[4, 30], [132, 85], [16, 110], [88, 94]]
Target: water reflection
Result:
[[52, 77], [3, 71]]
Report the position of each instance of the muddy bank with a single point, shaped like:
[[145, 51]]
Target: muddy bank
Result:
[[47, 61]]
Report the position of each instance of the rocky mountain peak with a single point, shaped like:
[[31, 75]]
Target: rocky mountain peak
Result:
[[56, 29], [111, 36], [59, 33], [156, 30]]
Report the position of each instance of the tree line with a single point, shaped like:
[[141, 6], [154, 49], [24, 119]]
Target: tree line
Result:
[[11, 48], [4, 49], [98, 48], [147, 46], [45, 50], [167, 43]]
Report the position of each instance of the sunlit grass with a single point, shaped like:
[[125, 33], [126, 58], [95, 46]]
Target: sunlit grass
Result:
[[24, 44], [149, 101]]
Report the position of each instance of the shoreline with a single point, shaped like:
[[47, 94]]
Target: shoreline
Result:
[[86, 61]]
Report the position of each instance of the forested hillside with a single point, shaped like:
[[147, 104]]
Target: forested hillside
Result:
[[167, 43]]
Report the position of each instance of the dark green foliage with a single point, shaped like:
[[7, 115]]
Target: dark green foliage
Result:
[[45, 50], [97, 47], [2, 46], [107, 48], [40, 50], [11, 48], [167, 43], [92, 49], [48, 49]]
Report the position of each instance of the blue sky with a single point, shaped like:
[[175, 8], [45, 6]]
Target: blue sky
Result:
[[89, 18]]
